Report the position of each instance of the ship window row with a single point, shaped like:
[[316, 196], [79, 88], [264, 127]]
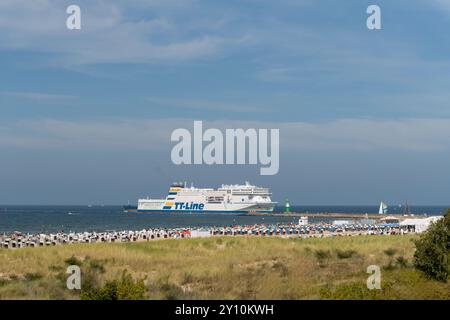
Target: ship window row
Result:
[[252, 193], [215, 199]]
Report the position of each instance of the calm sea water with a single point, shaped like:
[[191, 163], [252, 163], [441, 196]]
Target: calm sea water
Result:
[[34, 219]]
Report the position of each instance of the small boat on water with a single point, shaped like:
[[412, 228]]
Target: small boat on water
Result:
[[129, 208], [383, 208]]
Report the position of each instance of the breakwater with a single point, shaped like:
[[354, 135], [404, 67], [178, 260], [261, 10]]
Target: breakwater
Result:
[[330, 215]]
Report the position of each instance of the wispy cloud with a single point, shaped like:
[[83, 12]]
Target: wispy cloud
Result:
[[277, 74], [39, 96], [107, 135], [206, 105], [359, 135], [109, 34], [443, 4]]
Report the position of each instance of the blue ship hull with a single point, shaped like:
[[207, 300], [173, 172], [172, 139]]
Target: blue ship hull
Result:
[[201, 211]]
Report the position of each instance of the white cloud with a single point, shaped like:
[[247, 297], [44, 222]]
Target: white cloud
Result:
[[57, 134], [421, 135], [416, 135], [444, 4], [109, 34]]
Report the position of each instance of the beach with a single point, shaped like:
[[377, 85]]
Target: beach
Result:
[[296, 257], [227, 267], [17, 240]]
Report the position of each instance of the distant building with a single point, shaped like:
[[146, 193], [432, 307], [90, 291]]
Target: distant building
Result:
[[367, 221], [341, 222], [419, 224], [390, 219], [303, 221], [200, 234]]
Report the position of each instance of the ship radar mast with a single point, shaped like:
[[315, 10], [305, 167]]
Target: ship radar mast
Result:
[[407, 210]]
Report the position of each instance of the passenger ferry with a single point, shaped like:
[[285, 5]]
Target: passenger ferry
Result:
[[231, 199]]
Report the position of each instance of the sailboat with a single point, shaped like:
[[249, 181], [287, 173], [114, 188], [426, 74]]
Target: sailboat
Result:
[[383, 208]]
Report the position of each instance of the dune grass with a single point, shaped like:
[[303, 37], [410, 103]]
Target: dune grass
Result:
[[226, 268]]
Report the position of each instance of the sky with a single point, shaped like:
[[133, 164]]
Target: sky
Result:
[[86, 115]]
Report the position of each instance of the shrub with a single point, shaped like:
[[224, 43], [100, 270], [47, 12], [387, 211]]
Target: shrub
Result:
[[401, 262], [187, 278], [169, 290], [390, 252], [281, 267], [32, 276], [432, 255], [322, 256], [345, 254], [349, 291], [126, 288], [13, 277], [97, 266], [73, 261], [107, 292]]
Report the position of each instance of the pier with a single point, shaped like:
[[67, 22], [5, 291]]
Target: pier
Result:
[[330, 215]]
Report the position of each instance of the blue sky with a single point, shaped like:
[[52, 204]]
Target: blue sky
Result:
[[86, 116]]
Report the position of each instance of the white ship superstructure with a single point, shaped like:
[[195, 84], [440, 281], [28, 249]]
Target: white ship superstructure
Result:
[[226, 199]]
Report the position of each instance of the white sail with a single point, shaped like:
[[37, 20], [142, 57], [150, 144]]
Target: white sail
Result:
[[383, 208]]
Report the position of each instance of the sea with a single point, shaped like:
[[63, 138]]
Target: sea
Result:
[[47, 219]]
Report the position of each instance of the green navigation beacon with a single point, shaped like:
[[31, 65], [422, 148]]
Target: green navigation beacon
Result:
[[287, 206]]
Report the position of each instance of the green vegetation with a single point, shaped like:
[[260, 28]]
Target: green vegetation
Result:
[[123, 289], [30, 276], [322, 257], [432, 256], [345, 254], [221, 268], [73, 261], [390, 252]]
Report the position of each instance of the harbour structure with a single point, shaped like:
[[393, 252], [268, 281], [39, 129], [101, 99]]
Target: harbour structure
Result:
[[228, 199], [407, 210], [287, 206]]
